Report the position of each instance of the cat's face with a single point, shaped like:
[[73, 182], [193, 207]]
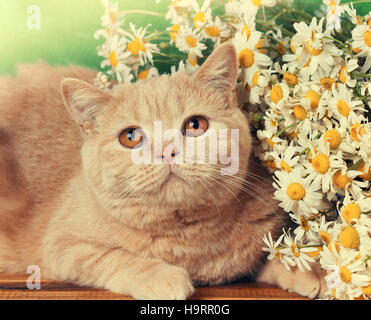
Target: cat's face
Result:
[[160, 141]]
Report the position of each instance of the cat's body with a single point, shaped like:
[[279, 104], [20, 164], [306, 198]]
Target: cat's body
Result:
[[54, 213]]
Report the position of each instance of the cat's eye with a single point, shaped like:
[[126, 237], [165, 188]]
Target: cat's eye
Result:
[[195, 126], [132, 138]]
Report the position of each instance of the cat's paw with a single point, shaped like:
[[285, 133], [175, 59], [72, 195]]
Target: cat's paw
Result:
[[165, 282], [306, 284]]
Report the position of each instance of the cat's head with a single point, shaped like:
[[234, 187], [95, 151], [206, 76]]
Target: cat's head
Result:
[[190, 109]]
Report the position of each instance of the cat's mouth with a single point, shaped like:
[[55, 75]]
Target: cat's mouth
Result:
[[172, 176]]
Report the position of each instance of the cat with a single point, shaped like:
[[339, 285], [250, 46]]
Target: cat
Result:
[[74, 203]]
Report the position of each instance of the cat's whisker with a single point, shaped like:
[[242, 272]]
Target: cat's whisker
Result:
[[230, 191]]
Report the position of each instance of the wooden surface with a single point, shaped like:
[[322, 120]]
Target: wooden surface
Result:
[[13, 287]]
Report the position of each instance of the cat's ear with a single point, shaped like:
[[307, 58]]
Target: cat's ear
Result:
[[83, 101], [220, 70]]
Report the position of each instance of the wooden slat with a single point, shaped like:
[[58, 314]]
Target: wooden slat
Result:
[[14, 287]]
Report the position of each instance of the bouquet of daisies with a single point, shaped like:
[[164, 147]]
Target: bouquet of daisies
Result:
[[305, 83]]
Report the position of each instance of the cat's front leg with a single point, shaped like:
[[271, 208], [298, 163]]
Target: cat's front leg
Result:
[[309, 284], [116, 270]]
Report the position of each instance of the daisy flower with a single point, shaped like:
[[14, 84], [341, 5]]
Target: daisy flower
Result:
[[300, 255], [317, 50], [102, 81], [244, 23], [347, 66], [189, 41], [138, 46], [323, 166], [297, 194], [271, 246], [335, 10], [250, 59], [361, 35], [148, 73], [202, 14], [216, 31], [344, 270], [306, 229], [287, 158], [342, 105], [117, 58]]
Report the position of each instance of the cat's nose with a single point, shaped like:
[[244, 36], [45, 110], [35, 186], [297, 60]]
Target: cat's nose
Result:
[[169, 154]]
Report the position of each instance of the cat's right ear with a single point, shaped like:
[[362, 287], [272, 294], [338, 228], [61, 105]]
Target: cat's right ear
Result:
[[83, 101]]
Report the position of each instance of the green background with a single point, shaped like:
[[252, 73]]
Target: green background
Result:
[[67, 28]]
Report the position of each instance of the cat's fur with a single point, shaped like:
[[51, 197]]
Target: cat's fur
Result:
[[73, 203]]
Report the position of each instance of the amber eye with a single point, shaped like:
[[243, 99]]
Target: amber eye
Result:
[[132, 138], [195, 126]]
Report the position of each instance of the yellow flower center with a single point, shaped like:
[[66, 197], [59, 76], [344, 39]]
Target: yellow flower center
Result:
[[294, 134], [259, 46], [304, 223], [336, 245], [255, 78], [276, 93], [113, 59], [143, 74], [311, 50], [327, 83], [325, 237], [333, 137], [199, 18], [192, 59], [367, 38], [295, 191], [321, 163], [291, 79], [341, 180], [292, 47], [349, 238], [270, 142], [271, 164], [280, 47], [273, 123], [343, 108], [256, 2], [343, 74], [345, 275], [357, 131], [174, 31], [355, 50], [314, 98], [213, 31], [285, 166], [299, 112], [295, 250], [314, 253], [351, 211], [136, 46], [367, 290], [365, 175], [191, 41], [246, 58], [247, 31]]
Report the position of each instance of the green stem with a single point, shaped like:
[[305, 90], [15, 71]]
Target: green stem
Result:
[[355, 165], [151, 13], [363, 75], [288, 127]]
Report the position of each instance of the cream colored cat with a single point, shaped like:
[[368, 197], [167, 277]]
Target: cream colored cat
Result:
[[73, 202]]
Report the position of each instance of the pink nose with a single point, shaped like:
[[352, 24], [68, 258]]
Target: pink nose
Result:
[[169, 154]]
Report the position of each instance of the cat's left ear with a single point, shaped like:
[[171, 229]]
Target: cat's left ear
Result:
[[220, 70], [83, 101]]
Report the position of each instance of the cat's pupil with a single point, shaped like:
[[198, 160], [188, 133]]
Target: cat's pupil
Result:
[[195, 124], [131, 135]]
